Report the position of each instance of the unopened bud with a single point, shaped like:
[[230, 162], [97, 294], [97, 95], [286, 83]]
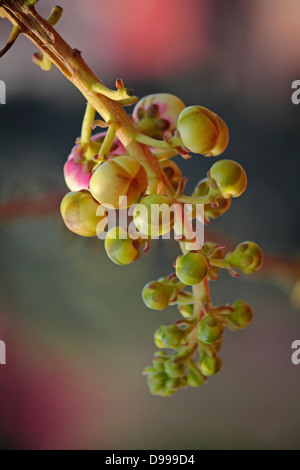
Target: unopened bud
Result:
[[170, 336], [199, 129], [242, 315], [79, 213], [210, 365], [210, 329], [157, 295], [229, 177], [191, 268], [120, 177], [120, 248], [247, 257]]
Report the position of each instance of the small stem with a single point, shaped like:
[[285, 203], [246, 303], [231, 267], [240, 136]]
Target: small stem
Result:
[[87, 123], [201, 298], [11, 40], [218, 263], [145, 139], [194, 200], [108, 140]]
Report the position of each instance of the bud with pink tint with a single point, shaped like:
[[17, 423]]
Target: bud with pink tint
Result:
[[79, 167], [155, 114]]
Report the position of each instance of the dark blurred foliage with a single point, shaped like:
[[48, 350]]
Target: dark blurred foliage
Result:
[[77, 332]]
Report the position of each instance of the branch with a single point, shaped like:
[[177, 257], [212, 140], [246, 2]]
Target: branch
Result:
[[74, 68]]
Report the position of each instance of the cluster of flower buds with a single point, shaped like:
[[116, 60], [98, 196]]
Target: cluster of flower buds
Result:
[[104, 175], [195, 340]]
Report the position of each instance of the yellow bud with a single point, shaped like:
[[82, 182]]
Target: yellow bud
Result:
[[120, 248], [157, 295], [120, 177], [79, 213], [230, 178], [210, 365], [199, 129]]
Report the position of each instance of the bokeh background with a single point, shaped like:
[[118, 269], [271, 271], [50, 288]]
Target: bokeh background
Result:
[[76, 330]]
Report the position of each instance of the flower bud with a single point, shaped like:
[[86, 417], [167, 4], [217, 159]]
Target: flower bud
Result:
[[79, 213], [120, 177], [210, 365], [159, 360], [155, 114], [157, 295], [247, 257], [194, 378], [191, 268], [157, 383], [222, 141], [230, 178], [186, 311], [120, 248], [78, 171], [78, 168], [153, 215], [242, 315], [172, 172], [199, 129], [169, 336], [202, 189], [174, 370], [209, 330]]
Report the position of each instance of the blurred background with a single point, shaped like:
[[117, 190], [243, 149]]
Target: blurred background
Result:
[[77, 332]]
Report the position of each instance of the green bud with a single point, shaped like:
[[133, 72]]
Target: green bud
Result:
[[169, 336], [242, 315], [230, 178], [123, 176], [186, 311], [222, 141], [199, 129], [174, 370], [194, 378], [153, 216], [159, 360], [173, 384], [157, 295], [79, 213], [191, 268], [247, 257], [120, 248], [210, 329], [210, 365], [157, 383]]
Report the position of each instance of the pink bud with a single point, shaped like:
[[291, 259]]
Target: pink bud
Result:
[[78, 170]]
